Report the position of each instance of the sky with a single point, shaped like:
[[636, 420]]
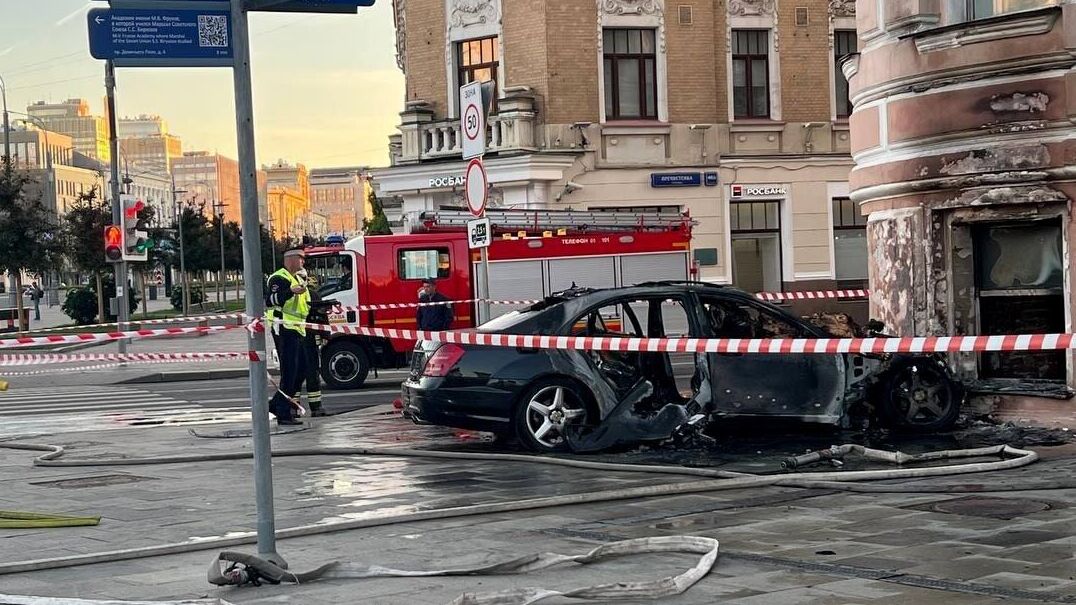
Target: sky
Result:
[[327, 91]]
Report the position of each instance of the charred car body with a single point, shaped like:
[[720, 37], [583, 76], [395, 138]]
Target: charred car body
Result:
[[591, 400]]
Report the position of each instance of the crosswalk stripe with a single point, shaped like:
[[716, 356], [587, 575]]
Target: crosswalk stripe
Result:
[[90, 403], [89, 408], [4, 401]]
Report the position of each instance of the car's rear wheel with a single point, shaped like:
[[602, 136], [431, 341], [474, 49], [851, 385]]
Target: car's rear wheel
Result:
[[544, 412], [344, 364], [920, 396]]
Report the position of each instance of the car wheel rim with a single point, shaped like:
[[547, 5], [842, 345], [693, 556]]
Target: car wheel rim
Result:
[[549, 411], [344, 366], [921, 396]]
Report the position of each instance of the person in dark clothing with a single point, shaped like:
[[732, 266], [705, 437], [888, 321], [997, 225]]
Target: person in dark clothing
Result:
[[435, 317], [312, 347], [287, 303]]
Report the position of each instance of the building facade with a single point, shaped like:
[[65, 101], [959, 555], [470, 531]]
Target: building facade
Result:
[[209, 181], [73, 118], [964, 143], [730, 110], [289, 199], [146, 145], [340, 194], [56, 169]]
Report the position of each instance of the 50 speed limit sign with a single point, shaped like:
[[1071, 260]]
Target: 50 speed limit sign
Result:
[[473, 121]]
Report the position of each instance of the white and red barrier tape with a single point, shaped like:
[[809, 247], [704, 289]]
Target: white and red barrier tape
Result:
[[146, 322], [30, 359], [29, 341], [812, 295], [927, 344]]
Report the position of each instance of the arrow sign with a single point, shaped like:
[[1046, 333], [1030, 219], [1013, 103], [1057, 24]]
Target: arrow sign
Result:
[[161, 37]]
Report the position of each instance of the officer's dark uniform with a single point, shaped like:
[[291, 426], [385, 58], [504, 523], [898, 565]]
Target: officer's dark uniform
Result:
[[283, 304], [312, 352]]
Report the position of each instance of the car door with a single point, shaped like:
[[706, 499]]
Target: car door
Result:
[[809, 386]]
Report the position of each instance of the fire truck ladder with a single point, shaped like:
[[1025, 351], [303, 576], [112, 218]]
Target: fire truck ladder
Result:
[[538, 220]]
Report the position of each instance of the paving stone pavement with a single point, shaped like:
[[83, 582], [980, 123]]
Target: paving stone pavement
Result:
[[779, 545]]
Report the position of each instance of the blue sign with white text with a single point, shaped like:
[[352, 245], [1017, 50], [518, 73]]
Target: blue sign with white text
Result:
[[676, 179], [161, 37]]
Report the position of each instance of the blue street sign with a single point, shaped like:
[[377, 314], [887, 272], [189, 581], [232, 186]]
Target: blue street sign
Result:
[[162, 37], [710, 179], [675, 179]]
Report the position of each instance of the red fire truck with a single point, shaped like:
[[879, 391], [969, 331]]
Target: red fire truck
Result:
[[532, 254]]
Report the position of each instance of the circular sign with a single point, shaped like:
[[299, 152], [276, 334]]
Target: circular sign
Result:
[[472, 122], [476, 187]]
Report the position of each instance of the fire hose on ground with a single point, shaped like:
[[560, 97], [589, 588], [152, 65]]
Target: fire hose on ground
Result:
[[715, 480]]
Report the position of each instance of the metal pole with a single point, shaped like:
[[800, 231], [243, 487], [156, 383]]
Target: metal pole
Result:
[[122, 310], [222, 290], [7, 128], [252, 273], [182, 259], [483, 288]]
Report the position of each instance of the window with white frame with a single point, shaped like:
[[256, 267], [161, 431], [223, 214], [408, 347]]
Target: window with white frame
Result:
[[478, 61], [751, 73], [630, 72], [849, 244]]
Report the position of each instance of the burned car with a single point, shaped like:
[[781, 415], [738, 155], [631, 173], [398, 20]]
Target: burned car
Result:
[[590, 400]]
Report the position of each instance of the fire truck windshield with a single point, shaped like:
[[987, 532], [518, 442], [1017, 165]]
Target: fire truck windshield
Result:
[[334, 273]]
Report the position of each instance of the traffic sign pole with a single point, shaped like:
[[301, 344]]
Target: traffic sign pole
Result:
[[252, 274], [120, 274]]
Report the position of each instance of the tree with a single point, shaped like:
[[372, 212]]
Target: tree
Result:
[[81, 234], [378, 224], [29, 238]]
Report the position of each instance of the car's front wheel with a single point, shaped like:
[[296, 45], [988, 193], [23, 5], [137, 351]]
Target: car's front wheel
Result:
[[920, 396], [545, 410]]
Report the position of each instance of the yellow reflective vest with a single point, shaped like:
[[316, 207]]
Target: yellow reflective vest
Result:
[[295, 310]]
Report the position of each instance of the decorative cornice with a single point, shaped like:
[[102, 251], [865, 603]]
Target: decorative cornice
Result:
[[630, 7], [752, 7], [401, 34], [473, 12], [842, 8]]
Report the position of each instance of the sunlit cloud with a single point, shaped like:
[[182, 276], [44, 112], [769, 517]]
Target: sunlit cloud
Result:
[[78, 11]]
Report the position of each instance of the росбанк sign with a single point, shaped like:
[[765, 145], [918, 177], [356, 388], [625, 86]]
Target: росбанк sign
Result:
[[676, 179], [161, 37]]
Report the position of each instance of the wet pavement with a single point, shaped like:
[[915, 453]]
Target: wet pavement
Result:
[[779, 545]]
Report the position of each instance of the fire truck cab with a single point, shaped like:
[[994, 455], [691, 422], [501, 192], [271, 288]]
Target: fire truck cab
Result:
[[532, 255]]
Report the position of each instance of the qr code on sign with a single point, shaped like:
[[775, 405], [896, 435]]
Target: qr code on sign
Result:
[[213, 31]]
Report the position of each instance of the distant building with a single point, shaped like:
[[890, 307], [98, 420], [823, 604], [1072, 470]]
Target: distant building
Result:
[[288, 198], [52, 163], [208, 180], [340, 195], [146, 145], [72, 117]]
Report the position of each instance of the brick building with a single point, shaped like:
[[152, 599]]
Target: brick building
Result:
[[339, 194], [964, 143], [731, 110]]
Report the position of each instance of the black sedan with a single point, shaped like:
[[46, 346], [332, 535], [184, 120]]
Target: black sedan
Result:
[[580, 400]]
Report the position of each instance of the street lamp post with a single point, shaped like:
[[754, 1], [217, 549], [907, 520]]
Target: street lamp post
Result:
[[222, 292], [182, 259], [7, 128]]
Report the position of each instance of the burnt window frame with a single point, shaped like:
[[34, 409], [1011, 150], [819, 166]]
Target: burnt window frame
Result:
[[465, 68], [611, 70], [842, 49], [846, 217], [748, 58]]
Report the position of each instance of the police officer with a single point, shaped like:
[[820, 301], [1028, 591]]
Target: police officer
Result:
[[312, 346], [287, 301]]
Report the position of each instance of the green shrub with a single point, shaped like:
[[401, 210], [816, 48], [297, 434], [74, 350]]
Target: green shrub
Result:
[[81, 305], [176, 298]]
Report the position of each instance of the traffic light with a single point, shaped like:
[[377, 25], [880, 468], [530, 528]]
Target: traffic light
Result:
[[113, 244], [136, 242]]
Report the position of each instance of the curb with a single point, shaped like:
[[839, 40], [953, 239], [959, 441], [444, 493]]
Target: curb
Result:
[[191, 375]]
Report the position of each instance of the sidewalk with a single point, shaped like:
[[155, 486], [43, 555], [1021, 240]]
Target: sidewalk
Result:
[[778, 545]]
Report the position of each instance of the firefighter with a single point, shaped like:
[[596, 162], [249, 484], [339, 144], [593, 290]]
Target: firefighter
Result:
[[287, 300], [312, 346]]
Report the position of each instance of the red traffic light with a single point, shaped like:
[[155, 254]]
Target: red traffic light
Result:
[[133, 210], [113, 243]]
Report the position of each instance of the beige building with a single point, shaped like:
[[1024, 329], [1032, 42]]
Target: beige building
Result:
[[339, 194], [73, 118], [964, 142], [208, 180], [289, 199], [730, 110], [146, 145], [53, 164]]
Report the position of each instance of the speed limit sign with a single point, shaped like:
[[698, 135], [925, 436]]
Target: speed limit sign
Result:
[[473, 121]]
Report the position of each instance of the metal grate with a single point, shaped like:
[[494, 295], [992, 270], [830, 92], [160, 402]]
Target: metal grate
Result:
[[686, 14]]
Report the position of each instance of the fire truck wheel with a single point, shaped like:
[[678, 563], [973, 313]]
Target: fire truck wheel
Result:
[[545, 410], [344, 364]]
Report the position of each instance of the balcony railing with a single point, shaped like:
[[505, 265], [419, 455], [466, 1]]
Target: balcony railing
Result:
[[511, 130]]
